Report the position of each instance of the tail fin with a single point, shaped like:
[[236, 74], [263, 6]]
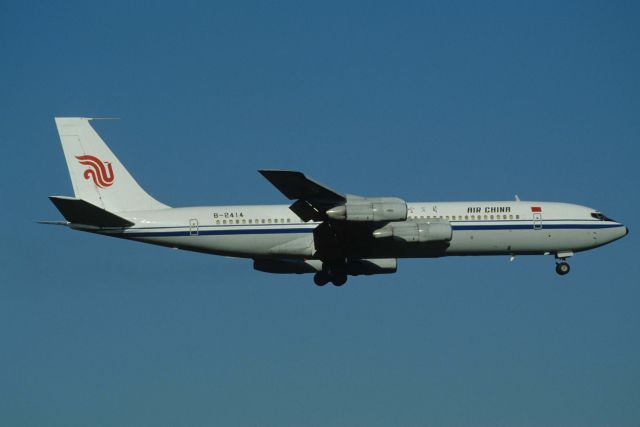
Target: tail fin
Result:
[[97, 175]]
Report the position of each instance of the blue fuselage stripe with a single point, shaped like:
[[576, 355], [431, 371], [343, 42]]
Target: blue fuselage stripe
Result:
[[531, 227], [469, 227], [222, 232]]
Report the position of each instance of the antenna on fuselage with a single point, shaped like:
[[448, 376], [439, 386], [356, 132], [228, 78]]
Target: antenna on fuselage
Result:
[[517, 198]]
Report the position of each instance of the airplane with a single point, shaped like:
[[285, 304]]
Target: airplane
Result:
[[330, 234]]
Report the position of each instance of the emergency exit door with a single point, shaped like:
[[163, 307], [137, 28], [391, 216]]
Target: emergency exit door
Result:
[[537, 221], [193, 227]]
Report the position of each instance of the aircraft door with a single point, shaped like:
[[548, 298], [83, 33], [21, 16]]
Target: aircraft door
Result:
[[537, 221], [193, 227]]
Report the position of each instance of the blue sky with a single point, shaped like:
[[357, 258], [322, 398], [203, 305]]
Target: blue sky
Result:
[[421, 100]]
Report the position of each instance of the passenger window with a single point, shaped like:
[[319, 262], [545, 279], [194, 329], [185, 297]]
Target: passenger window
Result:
[[486, 217], [244, 221], [275, 221], [288, 219], [217, 221], [517, 216], [224, 221], [263, 220], [510, 216], [249, 221]]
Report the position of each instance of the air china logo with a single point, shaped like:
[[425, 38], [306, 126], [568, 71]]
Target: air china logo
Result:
[[102, 176]]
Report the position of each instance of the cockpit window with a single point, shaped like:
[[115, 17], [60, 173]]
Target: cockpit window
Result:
[[600, 216]]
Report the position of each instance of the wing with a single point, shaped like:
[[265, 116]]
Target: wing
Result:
[[320, 203], [296, 185], [313, 198]]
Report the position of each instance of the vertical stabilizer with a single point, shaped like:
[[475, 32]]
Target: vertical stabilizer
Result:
[[96, 173]]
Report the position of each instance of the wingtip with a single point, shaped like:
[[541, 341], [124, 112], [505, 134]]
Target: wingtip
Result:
[[265, 172], [57, 118], [65, 223]]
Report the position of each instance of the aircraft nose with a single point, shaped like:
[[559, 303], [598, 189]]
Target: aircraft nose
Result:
[[616, 233]]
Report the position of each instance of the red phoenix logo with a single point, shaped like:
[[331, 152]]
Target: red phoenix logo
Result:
[[102, 176]]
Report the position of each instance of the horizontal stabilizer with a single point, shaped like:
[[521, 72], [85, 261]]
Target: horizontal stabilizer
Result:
[[78, 211]]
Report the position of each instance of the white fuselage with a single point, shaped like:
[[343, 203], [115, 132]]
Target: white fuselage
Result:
[[479, 228], [349, 234]]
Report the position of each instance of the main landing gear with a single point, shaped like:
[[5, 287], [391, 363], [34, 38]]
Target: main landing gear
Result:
[[321, 278], [334, 271]]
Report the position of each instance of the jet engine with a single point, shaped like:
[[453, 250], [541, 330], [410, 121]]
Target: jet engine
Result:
[[370, 209], [416, 231]]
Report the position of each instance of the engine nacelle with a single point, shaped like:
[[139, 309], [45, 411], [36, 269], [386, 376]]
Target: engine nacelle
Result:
[[416, 231], [356, 267], [376, 209], [287, 266], [353, 267]]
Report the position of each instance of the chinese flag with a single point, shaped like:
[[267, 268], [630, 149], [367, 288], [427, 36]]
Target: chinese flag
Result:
[[536, 209]]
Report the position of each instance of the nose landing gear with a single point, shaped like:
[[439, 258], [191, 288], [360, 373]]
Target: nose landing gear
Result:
[[562, 267]]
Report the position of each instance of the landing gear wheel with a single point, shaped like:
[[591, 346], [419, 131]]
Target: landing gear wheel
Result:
[[562, 268], [339, 280], [320, 279]]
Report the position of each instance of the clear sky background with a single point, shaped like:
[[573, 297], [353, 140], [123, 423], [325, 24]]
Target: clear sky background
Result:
[[422, 100]]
